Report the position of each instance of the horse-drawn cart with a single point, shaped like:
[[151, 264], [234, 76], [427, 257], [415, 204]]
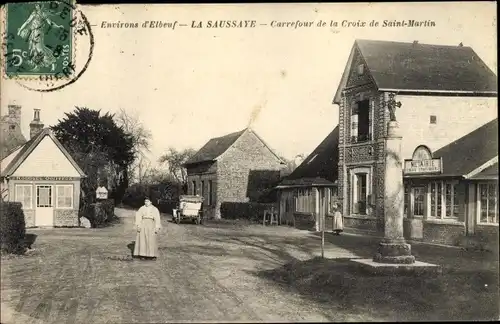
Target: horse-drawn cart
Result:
[[190, 208]]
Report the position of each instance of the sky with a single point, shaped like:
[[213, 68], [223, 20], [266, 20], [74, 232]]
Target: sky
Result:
[[188, 85]]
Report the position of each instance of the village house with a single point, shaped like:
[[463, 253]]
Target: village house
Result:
[[41, 175], [307, 194], [441, 95], [236, 167]]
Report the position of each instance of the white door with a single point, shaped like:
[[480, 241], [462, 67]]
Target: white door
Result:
[[44, 213]]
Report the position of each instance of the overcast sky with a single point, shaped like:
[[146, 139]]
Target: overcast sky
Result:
[[189, 85]]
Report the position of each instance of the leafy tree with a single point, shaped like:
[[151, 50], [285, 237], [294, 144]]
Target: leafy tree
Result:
[[101, 148], [175, 159]]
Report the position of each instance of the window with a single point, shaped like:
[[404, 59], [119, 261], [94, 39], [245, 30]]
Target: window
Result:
[[194, 187], [361, 193], [433, 119], [304, 201], [12, 127], [44, 196], [203, 189], [488, 204], [418, 201], [444, 200], [64, 196], [24, 195], [361, 121], [210, 193]]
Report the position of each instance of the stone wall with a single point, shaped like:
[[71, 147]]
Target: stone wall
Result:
[[247, 156], [443, 232], [368, 224], [66, 217]]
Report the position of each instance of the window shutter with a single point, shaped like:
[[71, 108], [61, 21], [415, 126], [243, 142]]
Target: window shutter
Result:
[[354, 194], [370, 119], [354, 128]]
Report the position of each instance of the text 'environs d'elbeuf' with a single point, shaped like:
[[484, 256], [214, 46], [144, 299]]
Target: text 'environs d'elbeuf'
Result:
[[291, 24]]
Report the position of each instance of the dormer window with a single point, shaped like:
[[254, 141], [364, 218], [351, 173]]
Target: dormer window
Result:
[[361, 69], [12, 127]]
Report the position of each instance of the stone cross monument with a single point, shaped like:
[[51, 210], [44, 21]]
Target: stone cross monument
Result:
[[393, 248]]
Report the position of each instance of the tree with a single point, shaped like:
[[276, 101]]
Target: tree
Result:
[[141, 137], [175, 159], [292, 164], [100, 147]]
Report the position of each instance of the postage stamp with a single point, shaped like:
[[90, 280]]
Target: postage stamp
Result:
[[39, 43], [40, 38]]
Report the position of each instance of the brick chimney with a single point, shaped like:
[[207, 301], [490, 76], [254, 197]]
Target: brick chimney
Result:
[[36, 125], [14, 114]]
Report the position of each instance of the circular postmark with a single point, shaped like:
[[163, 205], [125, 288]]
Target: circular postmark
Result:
[[47, 45]]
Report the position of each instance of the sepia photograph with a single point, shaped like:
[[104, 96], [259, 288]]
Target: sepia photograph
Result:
[[248, 163]]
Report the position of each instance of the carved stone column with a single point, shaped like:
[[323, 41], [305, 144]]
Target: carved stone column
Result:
[[393, 248]]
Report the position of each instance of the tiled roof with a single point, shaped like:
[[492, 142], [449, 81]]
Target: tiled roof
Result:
[[214, 147], [403, 66], [471, 151], [320, 167]]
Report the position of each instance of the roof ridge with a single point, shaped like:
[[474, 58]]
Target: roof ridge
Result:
[[408, 43]]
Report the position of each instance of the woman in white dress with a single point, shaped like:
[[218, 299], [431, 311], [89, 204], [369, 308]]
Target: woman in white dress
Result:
[[148, 225], [338, 223]]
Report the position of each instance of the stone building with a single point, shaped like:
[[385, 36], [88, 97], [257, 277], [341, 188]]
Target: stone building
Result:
[[11, 135], [307, 194], [232, 168], [42, 175], [440, 94]]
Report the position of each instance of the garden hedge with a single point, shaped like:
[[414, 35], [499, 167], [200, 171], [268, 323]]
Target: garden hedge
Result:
[[244, 210], [100, 213], [12, 227]]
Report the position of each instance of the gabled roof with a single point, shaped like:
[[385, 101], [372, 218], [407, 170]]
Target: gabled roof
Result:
[[414, 67], [471, 151], [320, 168], [28, 147], [215, 147]]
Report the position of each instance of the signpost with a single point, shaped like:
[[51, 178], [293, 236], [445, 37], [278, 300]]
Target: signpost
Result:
[[101, 193]]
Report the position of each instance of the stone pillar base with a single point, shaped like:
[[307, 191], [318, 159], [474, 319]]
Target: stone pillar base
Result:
[[394, 253]]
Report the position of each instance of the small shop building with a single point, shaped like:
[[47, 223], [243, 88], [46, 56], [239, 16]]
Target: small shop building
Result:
[[307, 194], [438, 95], [453, 192], [44, 178]]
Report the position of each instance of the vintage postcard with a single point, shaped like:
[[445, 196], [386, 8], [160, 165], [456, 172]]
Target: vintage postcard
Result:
[[318, 162]]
